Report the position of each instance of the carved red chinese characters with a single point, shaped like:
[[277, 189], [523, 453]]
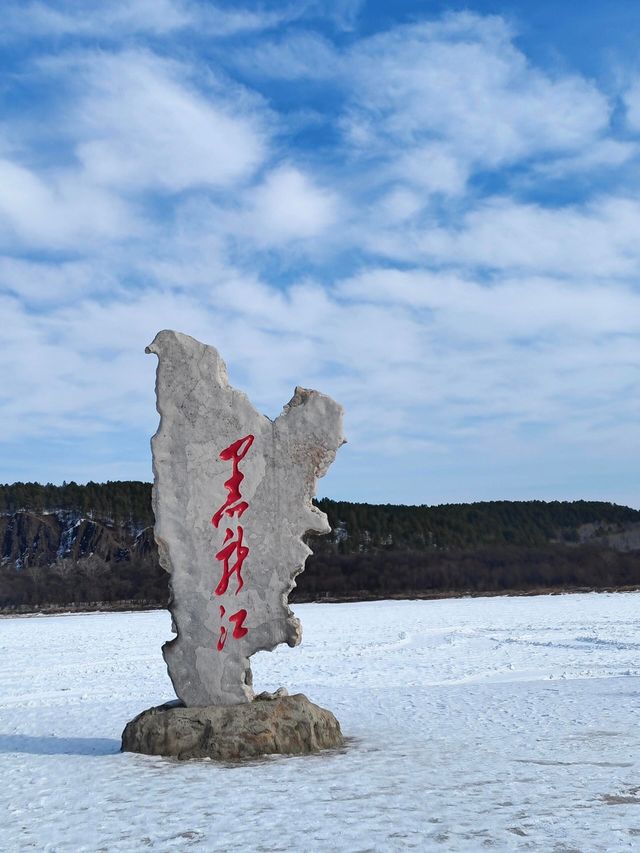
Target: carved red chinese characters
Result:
[[233, 552], [239, 630], [234, 505]]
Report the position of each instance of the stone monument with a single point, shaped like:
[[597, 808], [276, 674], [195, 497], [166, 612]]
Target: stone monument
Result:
[[232, 498]]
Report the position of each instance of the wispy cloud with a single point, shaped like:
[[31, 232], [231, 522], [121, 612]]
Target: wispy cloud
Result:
[[58, 211], [142, 124], [439, 101], [595, 239], [632, 102], [122, 18]]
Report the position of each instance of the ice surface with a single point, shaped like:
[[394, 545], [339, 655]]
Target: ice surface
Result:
[[498, 724]]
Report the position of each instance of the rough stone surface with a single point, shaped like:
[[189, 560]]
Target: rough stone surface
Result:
[[287, 725], [201, 509]]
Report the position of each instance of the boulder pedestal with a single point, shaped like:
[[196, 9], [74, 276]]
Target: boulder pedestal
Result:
[[287, 725]]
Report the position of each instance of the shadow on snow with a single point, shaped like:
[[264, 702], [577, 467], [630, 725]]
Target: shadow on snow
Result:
[[50, 745]]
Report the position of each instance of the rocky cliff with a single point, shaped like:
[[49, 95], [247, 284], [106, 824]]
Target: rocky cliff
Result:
[[30, 539], [61, 556]]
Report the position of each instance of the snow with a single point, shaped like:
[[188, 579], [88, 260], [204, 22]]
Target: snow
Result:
[[472, 724]]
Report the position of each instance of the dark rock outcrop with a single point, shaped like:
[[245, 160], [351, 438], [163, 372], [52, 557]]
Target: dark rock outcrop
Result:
[[28, 538], [62, 557]]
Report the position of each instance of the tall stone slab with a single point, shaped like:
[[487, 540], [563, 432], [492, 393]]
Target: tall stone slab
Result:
[[232, 500]]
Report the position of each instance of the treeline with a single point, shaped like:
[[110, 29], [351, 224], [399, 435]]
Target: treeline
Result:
[[364, 527], [94, 543], [91, 580], [357, 527], [88, 580], [482, 570], [119, 501]]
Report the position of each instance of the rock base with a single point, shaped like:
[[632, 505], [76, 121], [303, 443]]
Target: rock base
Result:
[[287, 725]]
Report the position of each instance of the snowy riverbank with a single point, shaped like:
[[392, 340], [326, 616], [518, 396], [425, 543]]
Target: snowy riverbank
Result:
[[501, 723]]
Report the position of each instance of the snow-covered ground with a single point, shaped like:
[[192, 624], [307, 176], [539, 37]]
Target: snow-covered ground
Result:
[[502, 723]]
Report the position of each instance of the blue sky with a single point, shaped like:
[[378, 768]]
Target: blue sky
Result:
[[428, 210]]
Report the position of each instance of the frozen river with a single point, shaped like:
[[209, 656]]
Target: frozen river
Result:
[[473, 724]]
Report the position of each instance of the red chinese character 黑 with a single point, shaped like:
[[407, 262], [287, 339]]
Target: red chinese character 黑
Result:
[[234, 505]]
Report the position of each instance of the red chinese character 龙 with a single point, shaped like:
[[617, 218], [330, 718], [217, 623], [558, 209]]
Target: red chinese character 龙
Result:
[[232, 548]]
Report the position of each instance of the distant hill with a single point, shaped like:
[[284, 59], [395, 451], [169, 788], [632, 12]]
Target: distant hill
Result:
[[94, 543], [526, 523]]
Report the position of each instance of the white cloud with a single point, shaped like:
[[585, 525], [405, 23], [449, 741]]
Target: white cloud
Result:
[[141, 124], [432, 168], [457, 95], [58, 211], [288, 205], [433, 103], [343, 13], [399, 204], [136, 124], [44, 283], [401, 350], [597, 240], [509, 309], [295, 55], [632, 102], [602, 155], [119, 18], [89, 18]]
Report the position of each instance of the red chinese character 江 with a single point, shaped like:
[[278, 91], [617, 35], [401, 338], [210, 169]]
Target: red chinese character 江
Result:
[[239, 630]]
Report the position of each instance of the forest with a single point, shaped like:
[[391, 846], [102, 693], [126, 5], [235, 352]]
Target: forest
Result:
[[93, 544]]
